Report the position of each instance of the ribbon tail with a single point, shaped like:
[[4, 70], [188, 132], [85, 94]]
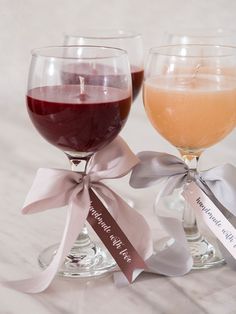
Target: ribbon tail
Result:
[[75, 220], [134, 227], [126, 256], [173, 258], [130, 221]]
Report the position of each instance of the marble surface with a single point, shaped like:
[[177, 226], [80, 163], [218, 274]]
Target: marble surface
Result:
[[27, 24]]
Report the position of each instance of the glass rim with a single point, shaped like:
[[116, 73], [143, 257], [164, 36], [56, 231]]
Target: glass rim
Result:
[[41, 52], [163, 50], [202, 32], [109, 34]]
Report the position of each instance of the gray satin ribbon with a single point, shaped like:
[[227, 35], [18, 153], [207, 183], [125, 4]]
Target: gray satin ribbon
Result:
[[218, 183]]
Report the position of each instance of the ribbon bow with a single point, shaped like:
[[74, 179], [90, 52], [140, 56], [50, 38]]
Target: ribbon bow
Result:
[[217, 183], [57, 188]]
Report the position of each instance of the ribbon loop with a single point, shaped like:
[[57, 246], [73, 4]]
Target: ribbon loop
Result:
[[221, 181], [154, 167]]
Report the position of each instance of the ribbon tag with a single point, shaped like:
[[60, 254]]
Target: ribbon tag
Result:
[[212, 216], [114, 238]]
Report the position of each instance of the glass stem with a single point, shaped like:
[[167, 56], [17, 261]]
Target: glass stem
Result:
[[189, 218], [80, 165]]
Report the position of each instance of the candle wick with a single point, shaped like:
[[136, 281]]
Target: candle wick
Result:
[[82, 94], [196, 71], [94, 66], [81, 82], [190, 80]]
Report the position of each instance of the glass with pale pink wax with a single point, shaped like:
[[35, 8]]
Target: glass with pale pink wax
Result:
[[190, 99]]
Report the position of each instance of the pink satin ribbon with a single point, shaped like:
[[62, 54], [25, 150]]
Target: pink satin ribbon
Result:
[[53, 188]]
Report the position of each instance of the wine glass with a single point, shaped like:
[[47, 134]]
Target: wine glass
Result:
[[190, 99], [127, 40], [79, 119]]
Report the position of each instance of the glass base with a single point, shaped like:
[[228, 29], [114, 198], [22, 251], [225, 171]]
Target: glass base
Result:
[[90, 261], [204, 254]]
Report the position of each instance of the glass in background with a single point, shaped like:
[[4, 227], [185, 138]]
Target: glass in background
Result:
[[217, 36], [130, 41]]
